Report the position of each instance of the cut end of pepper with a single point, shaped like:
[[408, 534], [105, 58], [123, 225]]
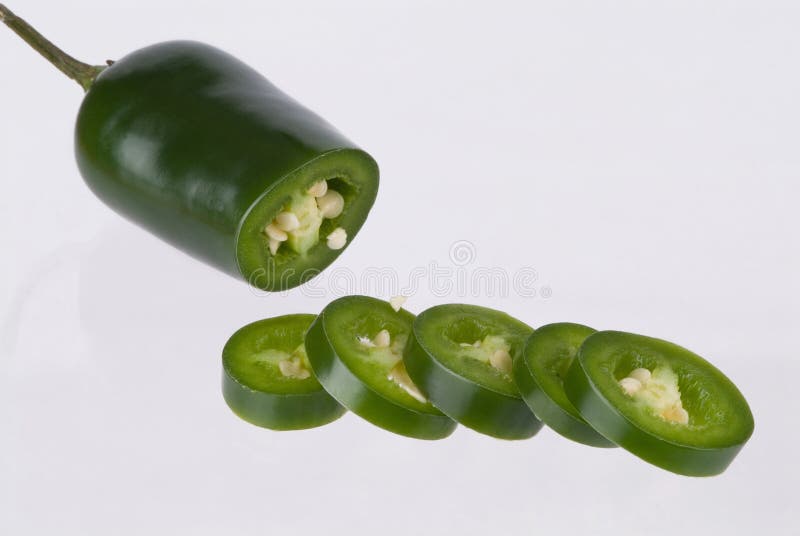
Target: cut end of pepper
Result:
[[294, 230], [297, 226]]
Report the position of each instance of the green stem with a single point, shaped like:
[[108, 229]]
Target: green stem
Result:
[[82, 73]]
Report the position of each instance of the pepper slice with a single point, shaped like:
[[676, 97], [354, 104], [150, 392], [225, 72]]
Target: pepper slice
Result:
[[461, 358], [267, 380], [355, 347], [539, 374], [659, 401]]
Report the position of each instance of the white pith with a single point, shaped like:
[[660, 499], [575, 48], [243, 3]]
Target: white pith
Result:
[[658, 391], [492, 350], [298, 223], [382, 346], [294, 368], [399, 375], [292, 365]]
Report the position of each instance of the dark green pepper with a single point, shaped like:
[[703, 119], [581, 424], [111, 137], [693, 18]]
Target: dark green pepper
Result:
[[204, 152]]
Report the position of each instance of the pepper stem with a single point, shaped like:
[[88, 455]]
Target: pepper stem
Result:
[[82, 73]]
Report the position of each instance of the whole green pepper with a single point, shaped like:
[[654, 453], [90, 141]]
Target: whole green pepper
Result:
[[204, 152]]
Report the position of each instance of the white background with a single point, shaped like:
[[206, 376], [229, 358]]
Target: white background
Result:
[[641, 156]]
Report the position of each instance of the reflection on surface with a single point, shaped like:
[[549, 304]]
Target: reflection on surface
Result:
[[40, 274], [109, 380]]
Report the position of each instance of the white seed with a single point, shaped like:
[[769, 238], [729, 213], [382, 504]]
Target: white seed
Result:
[[366, 341], [383, 339], [287, 221], [293, 369], [465, 345], [676, 414], [331, 204], [319, 188], [400, 376], [641, 374], [501, 360], [337, 239], [275, 232], [274, 245], [397, 302], [630, 385]]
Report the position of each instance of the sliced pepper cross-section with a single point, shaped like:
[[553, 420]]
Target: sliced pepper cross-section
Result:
[[461, 358], [355, 347], [539, 374], [659, 401], [267, 379]]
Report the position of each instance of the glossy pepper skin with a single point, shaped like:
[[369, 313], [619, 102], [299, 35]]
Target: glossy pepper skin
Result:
[[186, 140]]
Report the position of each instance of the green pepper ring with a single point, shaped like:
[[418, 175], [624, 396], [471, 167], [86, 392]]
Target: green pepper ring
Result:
[[252, 402], [600, 401], [356, 395], [479, 407]]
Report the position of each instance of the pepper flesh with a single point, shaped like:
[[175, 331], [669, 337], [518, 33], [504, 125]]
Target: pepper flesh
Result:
[[719, 419]]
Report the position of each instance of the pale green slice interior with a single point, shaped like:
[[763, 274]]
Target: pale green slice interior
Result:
[[304, 206], [449, 333], [253, 355], [348, 322]]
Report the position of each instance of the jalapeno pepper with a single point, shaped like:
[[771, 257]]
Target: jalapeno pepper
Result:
[[539, 374], [267, 379], [659, 401], [355, 347], [204, 152], [461, 357]]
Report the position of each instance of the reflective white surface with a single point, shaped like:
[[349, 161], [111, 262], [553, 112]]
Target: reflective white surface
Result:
[[643, 161]]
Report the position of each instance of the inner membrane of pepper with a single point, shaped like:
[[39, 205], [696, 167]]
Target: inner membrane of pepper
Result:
[[387, 351], [297, 226], [658, 391], [492, 350], [293, 365]]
